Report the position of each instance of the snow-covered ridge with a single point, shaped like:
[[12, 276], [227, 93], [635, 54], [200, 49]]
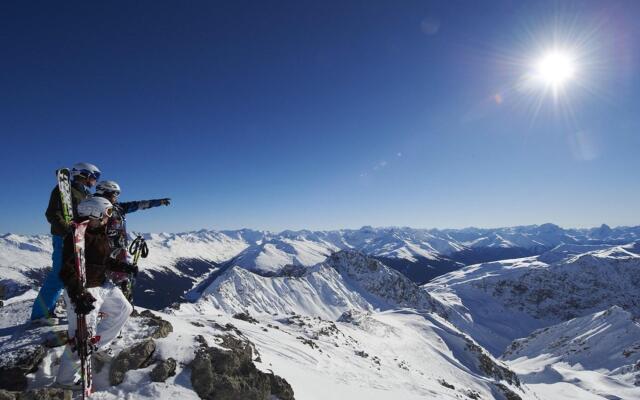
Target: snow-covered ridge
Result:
[[407, 243], [575, 306], [573, 285], [347, 280], [607, 341], [268, 252]]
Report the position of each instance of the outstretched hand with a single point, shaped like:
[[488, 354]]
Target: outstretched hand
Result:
[[165, 202]]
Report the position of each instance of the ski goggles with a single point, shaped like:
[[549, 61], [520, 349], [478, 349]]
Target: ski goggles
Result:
[[108, 212], [90, 174], [94, 175]]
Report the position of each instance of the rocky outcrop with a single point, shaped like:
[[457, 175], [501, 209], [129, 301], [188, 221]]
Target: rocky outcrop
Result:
[[159, 327], [15, 366], [490, 367], [163, 370], [229, 374], [37, 394], [245, 316], [507, 393], [138, 356]]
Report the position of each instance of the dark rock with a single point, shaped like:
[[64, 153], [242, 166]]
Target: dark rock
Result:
[[361, 353], [245, 316], [281, 388], [135, 357], [226, 362], [490, 368], [20, 363], [163, 370], [291, 270], [46, 394], [446, 384], [37, 394], [473, 394], [162, 328], [346, 316], [218, 374], [507, 393], [6, 395], [308, 342]]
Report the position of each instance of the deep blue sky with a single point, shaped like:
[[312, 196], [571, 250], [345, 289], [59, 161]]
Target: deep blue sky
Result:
[[276, 115]]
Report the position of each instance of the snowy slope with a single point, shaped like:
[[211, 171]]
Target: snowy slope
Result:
[[380, 345], [21, 257], [592, 356], [272, 254], [501, 301], [352, 328], [366, 356], [346, 280], [320, 291], [599, 353], [167, 248]]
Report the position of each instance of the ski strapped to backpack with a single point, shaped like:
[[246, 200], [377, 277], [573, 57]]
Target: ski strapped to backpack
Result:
[[64, 186], [83, 339]]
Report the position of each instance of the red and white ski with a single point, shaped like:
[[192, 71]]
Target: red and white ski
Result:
[[83, 336]]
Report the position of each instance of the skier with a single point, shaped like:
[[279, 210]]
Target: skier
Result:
[[106, 308], [84, 176], [117, 228]]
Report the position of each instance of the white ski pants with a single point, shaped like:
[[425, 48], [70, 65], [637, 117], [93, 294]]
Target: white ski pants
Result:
[[105, 321]]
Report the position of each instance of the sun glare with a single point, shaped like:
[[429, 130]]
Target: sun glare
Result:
[[555, 68]]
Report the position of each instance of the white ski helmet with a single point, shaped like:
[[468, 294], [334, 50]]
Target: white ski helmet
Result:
[[85, 169], [107, 187], [95, 208]]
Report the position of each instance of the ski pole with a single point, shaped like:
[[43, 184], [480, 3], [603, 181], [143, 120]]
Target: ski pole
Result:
[[138, 248]]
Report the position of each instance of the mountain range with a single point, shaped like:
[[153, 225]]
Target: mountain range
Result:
[[536, 312]]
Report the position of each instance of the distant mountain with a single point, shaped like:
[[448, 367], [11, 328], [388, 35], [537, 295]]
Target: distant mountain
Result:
[[571, 311], [346, 280], [607, 341], [184, 259]]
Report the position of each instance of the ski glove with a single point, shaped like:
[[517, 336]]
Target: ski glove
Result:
[[165, 202], [84, 303]]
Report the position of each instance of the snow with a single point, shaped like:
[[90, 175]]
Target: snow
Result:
[[538, 299], [346, 280], [346, 326], [269, 252], [321, 291], [598, 353]]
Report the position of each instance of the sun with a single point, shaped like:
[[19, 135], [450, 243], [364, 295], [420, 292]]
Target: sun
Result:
[[555, 68]]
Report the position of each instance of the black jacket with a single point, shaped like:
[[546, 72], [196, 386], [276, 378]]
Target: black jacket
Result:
[[54, 210]]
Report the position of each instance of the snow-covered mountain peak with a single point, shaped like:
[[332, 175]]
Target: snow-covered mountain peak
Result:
[[272, 254], [345, 280], [320, 291]]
